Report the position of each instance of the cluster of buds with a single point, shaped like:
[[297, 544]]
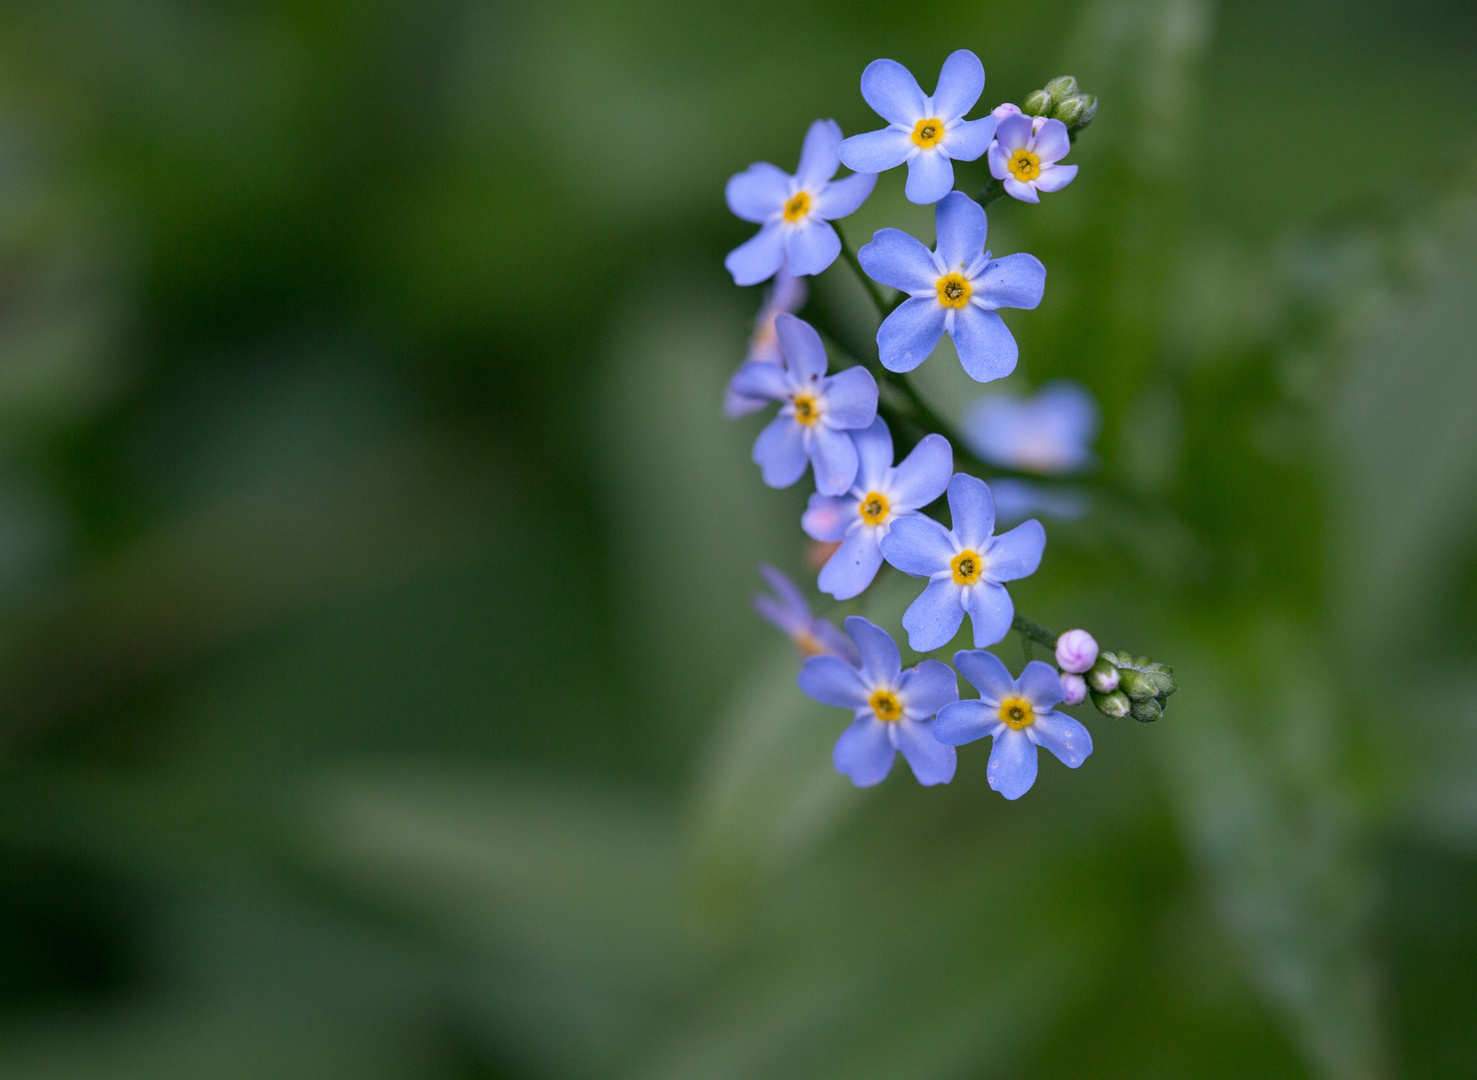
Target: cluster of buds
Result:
[[1062, 100], [1123, 685]]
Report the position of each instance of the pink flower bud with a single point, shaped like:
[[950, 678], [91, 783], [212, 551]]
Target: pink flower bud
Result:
[[1076, 651], [1000, 112], [1075, 687]]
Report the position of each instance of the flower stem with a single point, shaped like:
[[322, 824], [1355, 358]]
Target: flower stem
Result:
[[849, 254], [1033, 632]]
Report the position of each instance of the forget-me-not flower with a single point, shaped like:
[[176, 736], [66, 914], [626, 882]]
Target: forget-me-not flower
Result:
[[1025, 153], [1050, 433], [817, 414], [893, 707], [786, 293], [1018, 714], [882, 494], [787, 610], [953, 289], [965, 567], [926, 132], [794, 211]]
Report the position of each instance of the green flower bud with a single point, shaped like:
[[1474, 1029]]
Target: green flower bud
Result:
[[1138, 685], [1141, 678], [1103, 675], [1037, 103], [1089, 110], [1067, 110], [1115, 704], [1147, 711], [1064, 86]]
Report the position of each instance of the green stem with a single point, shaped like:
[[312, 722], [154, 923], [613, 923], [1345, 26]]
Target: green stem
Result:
[[849, 254], [1033, 631]]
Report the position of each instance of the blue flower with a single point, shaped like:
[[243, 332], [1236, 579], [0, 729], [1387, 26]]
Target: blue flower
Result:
[[1025, 153], [893, 707], [881, 495], [1016, 500], [1051, 433], [954, 289], [1018, 714], [818, 411], [965, 567], [787, 610], [788, 293], [794, 210], [926, 132]]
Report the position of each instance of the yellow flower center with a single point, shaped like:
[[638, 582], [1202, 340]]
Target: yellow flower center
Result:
[[874, 508], [1024, 165], [1017, 712], [797, 207], [807, 410], [954, 290], [926, 133], [886, 705], [968, 567]]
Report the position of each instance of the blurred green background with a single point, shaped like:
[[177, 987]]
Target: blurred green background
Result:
[[378, 691]]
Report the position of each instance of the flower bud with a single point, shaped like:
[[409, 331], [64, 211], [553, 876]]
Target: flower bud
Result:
[[1075, 687], [1147, 711], [1103, 677], [1076, 651], [1037, 103], [1115, 705], [1000, 112], [1137, 684], [1088, 104], [1060, 88]]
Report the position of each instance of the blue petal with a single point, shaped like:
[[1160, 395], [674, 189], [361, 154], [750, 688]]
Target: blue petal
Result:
[[1016, 281], [923, 475], [984, 343], [874, 454], [930, 177], [972, 511], [964, 722], [804, 353], [810, 247], [892, 91], [1013, 132], [987, 673], [968, 139], [853, 566], [833, 456], [779, 451], [787, 591], [999, 159], [1025, 192], [933, 619], [1041, 686], [771, 611], [918, 545], [849, 400], [864, 752], [931, 761], [960, 224], [927, 688], [827, 518], [1055, 177], [990, 612], [909, 335], [736, 405], [961, 82], [1051, 142], [1016, 554], [832, 681], [758, 258], [759, 192], [1012, 768], [1063, 736], [876, 151], [881, 661], [844, 197], [755, 380], [819, 159], [897, 259], [834, 641]]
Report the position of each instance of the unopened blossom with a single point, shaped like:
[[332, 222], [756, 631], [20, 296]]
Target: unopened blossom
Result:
[[1050, 433], [786, 293], [1025, 153], [1076, 651], [788, 610], [1018, 714], [1074, 688], [965, 566], [893, 708], [794, 212], [954, 289], [816, 414], [929, 133], [882, 494]]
